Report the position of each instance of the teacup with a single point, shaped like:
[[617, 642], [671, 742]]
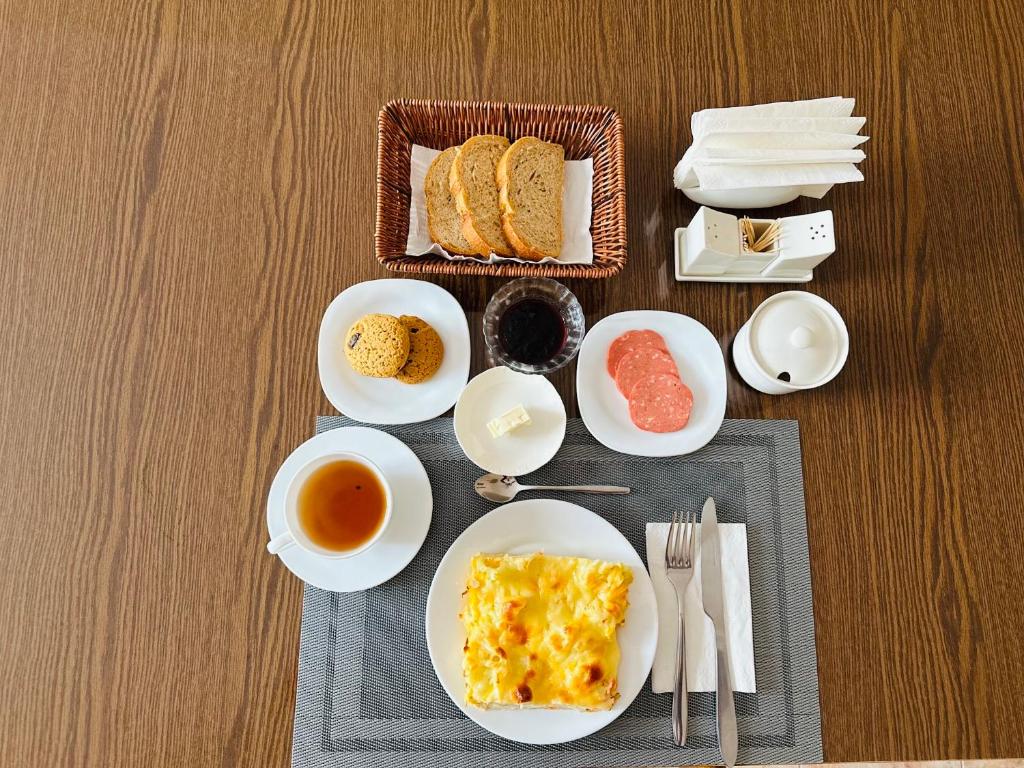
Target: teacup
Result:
[[317, 525]]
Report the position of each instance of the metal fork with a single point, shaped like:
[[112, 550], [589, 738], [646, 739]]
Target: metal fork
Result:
[[679, 558]]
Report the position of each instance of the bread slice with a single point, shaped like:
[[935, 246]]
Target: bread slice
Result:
[[476, 193], [530, 176], [443, 219]]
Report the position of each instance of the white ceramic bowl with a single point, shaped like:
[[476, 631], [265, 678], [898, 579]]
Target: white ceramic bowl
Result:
[[836, 343], [523, 450], [754, 197]]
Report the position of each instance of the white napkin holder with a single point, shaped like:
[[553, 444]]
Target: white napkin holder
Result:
[[751, 197], [710, 249], [763, 155]]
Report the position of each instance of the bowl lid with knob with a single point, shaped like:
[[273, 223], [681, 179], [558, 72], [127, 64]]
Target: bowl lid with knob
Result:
[[799, 338]]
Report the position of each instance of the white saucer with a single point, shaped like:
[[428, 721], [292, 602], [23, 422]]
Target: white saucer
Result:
[[413, 503], [555, 528], [701, 365], [389, 401], [521, 451]]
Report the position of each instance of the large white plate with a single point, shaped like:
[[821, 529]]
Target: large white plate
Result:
[[555, 528], [405, 533], [388, 401], [701, 366]]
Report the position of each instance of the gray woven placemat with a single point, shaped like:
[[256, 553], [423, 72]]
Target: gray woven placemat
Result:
[[367, 694]]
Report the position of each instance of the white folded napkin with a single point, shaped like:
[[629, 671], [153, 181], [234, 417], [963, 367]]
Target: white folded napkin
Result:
[[577, 194], [832, 106], [765, 148], [817, 191], [744, 156], [720, 176], [700, 633], [809, 145], [779, 140], [850, 125]]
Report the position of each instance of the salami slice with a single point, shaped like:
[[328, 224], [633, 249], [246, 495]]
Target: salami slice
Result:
[[660, 403], [638, 364], [633, 340]]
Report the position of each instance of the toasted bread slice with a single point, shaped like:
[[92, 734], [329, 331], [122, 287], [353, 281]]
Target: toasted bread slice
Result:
[[443, 219], [473, 185], [530, 177]]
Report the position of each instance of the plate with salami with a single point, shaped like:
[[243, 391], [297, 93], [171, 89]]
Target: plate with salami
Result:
[[651, 383]]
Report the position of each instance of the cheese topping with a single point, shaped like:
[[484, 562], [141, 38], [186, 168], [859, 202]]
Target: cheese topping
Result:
[[541, 631]]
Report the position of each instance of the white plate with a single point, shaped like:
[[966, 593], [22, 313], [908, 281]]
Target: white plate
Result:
[[388, 401], [523, 450], [701, 366], [555, 528], [413, 503]]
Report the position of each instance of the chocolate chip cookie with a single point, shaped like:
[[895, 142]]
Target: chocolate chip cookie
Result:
[[377, 345], [426, 351]]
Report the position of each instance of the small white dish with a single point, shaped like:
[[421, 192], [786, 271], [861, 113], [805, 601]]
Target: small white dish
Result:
[[555, 528], [523, 450], [389, 401], [412, 505], [793, 341], [701, 364]]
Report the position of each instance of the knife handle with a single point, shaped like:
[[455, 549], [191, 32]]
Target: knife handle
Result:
[[725, 710], [679, 690]]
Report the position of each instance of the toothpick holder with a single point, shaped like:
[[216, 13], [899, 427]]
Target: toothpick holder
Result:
[[711, 249]]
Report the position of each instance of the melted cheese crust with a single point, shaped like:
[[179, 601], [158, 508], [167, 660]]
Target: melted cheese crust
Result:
[[541, 631]]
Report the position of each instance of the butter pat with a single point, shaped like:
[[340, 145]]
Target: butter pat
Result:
[[505, 423]]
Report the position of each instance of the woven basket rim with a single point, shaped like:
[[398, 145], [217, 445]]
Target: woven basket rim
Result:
[[464, 104]]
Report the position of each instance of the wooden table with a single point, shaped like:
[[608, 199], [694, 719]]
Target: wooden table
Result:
[[185, 186]]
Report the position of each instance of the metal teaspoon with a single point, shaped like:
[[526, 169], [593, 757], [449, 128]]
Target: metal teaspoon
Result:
[[502, 488]]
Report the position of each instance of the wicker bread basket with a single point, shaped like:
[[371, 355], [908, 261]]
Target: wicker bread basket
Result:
[[584, 131]]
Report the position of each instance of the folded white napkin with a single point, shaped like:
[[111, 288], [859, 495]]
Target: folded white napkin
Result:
[[744, 156], [817, 191], [832, 106], [766, 148], [708, 125], [721, 176], [778, 140], [810, 145], [700, 632], [577, 195]]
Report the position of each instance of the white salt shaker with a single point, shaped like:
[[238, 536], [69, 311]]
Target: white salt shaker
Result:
[[794, 340], [712, 243], [804, 242]]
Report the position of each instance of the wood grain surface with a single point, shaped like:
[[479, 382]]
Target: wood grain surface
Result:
[[184, 186]]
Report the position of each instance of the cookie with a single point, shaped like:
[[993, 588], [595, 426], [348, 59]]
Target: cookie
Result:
[[426, 351], [377, 345]]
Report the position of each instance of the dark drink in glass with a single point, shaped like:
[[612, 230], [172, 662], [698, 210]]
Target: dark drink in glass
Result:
[[531, 331]]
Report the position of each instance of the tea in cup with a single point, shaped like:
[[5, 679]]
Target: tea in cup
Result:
[[337, 505]]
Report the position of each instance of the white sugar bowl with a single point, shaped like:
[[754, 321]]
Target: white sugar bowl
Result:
[[794, 340]]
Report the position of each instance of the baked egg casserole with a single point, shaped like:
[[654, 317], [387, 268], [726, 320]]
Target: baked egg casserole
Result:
[[541, 631]]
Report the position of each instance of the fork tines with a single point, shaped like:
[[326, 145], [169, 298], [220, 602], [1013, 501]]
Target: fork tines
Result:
[[680, 543]]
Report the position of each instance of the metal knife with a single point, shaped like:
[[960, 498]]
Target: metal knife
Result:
[[711, 591]]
